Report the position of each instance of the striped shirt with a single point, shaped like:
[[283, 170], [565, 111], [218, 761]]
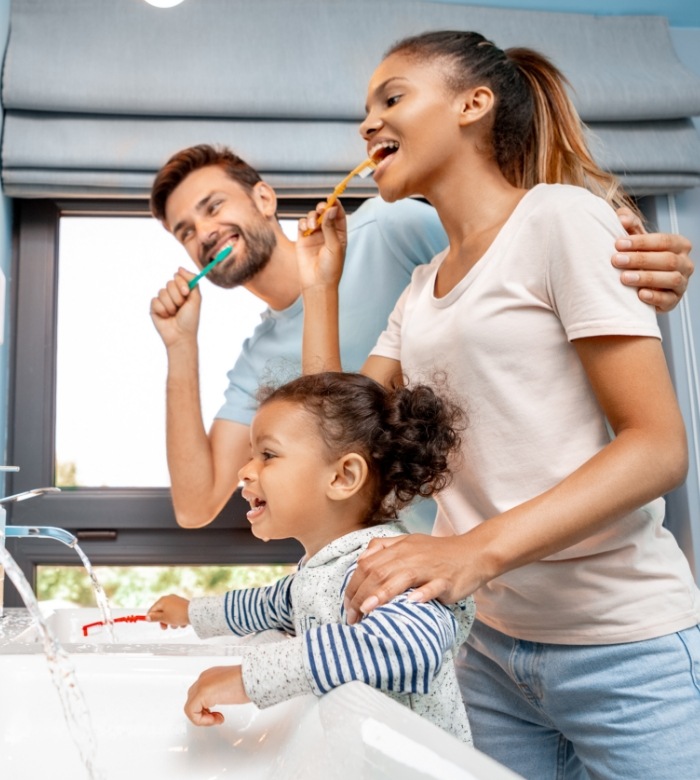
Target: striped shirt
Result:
[[402, 648]]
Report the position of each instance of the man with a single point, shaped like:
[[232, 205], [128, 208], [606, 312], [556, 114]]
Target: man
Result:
[[208, 199]]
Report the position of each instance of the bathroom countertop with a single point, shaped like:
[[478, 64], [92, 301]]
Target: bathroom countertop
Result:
[[348, 722]]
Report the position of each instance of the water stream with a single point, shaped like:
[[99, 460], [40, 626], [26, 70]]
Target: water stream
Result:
[[62, 673], [100, 595]]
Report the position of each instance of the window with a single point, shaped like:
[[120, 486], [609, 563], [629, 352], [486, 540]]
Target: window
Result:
[[111, 363], [137, 587], [88, 388]]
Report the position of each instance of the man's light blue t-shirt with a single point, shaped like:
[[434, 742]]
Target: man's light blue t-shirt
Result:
[[385, 243]]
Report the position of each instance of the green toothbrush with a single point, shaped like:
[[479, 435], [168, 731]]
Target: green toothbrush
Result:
[[222, 255]]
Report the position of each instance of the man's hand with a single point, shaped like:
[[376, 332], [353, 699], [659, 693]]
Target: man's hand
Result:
[[215, 686], [170, 611], [658, 264], [175, 310]]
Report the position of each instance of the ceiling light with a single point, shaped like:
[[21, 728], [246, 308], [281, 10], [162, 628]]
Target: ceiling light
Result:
[[164, 3]]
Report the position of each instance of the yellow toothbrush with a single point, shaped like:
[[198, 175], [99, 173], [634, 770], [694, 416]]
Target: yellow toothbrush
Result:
[[363, 170]]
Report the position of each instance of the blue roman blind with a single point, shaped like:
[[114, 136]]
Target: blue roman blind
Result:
[[97, 94]]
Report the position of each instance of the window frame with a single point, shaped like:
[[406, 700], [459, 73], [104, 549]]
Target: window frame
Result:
[[114, 526]]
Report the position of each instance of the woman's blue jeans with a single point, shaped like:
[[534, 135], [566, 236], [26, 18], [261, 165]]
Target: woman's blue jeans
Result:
[[548, 712]]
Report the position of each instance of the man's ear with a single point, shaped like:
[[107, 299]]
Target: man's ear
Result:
[[349, 475], [265, 198], [475, 105]]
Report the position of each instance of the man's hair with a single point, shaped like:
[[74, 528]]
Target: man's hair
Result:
[[186, 161]]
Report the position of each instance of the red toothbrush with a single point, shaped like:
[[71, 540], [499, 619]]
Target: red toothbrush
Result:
[[125, 619]]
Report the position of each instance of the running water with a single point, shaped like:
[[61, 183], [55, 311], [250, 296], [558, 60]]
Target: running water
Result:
[[62, 673], [100, 595]]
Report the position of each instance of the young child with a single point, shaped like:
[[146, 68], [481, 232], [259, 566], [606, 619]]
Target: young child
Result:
[[334, 457], [584, 659]]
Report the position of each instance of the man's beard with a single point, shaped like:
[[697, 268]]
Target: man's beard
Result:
[[260, 241]]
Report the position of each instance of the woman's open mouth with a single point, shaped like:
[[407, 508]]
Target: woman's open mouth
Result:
[[383, 151]]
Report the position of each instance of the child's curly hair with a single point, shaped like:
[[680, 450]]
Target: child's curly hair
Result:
[[407, 435]]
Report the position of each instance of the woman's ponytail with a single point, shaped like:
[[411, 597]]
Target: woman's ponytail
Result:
[[557, 152]]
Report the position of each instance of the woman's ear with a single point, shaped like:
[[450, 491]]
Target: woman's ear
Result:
[[349, 475], [475, 105]]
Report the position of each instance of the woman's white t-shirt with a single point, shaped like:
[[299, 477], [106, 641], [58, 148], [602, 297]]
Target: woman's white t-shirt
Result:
[[502, 338]]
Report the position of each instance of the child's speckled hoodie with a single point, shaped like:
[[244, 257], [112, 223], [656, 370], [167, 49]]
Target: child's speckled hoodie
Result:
[[404, 649]]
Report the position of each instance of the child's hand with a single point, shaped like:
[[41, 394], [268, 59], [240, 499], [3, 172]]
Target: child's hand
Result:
[[170, 611], [320, 255], [215, 686]]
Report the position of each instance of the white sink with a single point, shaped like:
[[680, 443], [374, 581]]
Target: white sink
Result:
[[135, 702]]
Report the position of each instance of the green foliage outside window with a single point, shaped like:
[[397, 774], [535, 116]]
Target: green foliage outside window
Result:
[[139, 586]]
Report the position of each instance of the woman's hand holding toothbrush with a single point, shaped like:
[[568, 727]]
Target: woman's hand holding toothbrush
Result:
[[321, 246], [323, 236], [320, 257]]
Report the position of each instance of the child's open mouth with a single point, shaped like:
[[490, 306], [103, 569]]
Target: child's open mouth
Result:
[[257, 507]]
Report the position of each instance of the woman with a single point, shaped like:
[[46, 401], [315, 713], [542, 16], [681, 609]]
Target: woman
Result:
[[584, 658]]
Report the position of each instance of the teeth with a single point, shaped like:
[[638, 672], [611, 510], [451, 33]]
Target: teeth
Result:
[[379, 148], [230, 243]]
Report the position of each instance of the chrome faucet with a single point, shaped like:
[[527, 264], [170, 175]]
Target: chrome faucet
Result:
[[17, 497], [24, 531]]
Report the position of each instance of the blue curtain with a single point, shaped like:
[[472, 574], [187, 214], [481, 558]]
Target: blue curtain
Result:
[[98, 93]]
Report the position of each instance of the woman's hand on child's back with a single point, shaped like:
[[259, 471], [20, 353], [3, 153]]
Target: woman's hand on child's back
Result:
[[170, 611], [436, 567]]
